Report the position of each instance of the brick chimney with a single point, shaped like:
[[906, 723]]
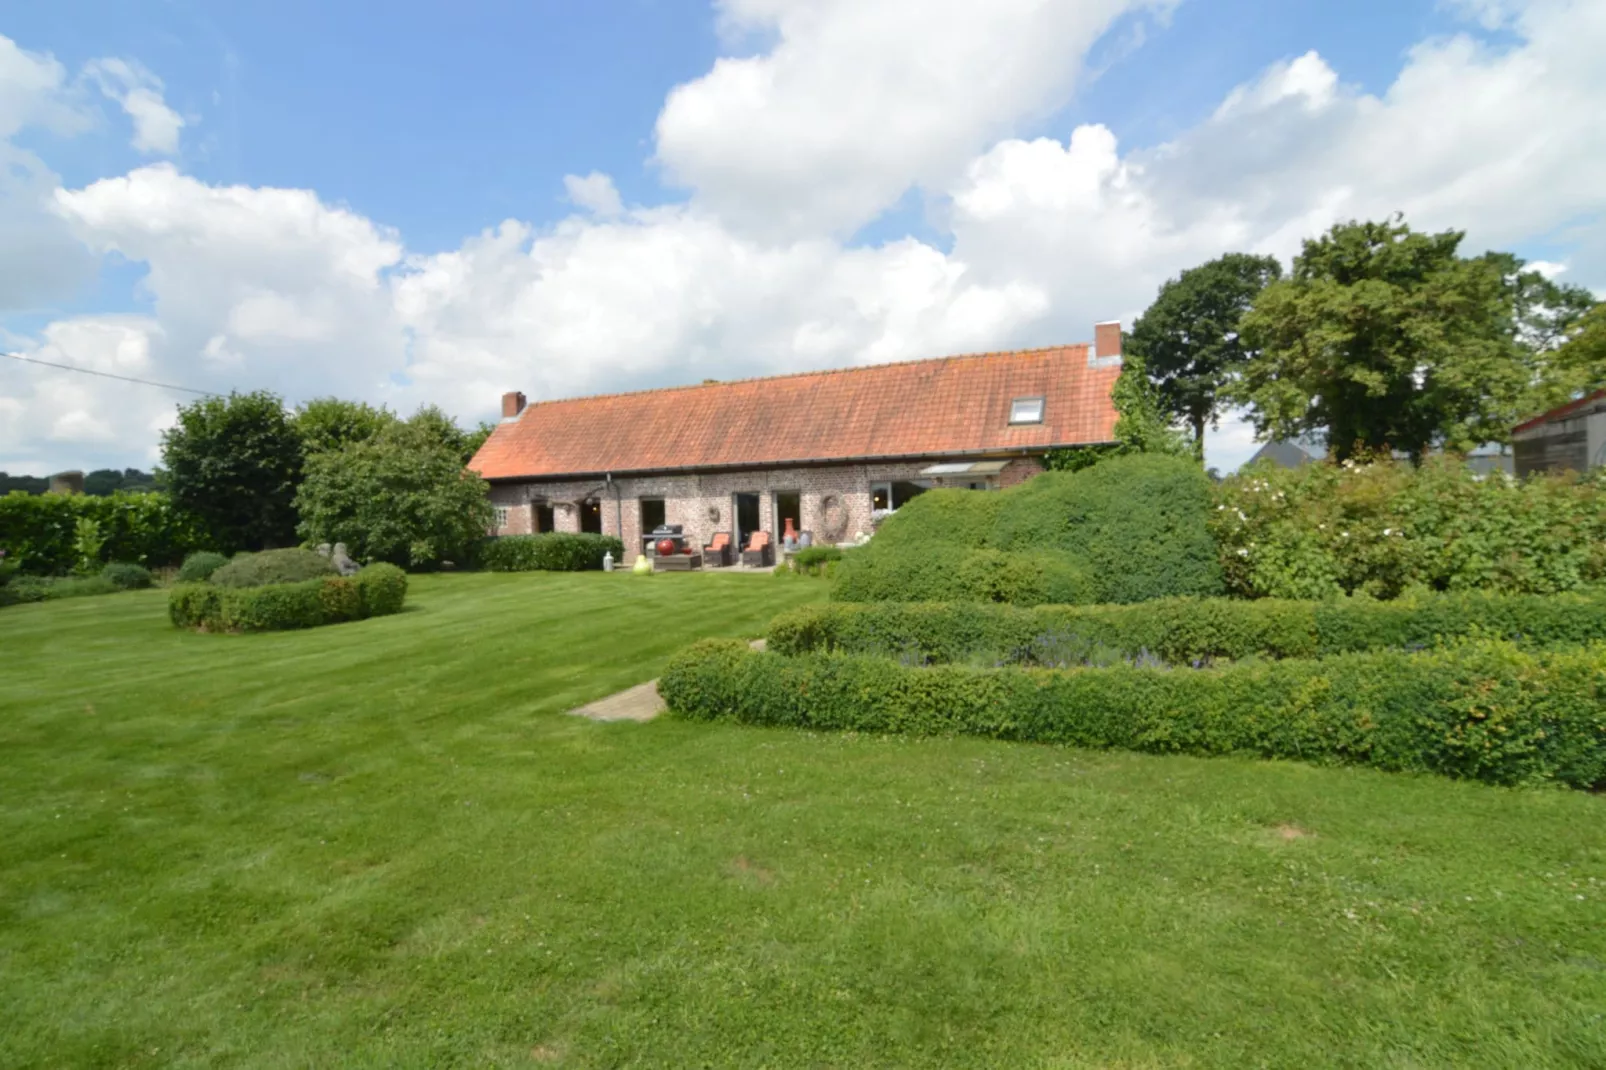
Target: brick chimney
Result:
[[512, 404], [1107, 342]]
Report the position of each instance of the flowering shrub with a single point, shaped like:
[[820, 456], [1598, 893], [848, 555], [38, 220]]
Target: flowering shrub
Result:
[[1384, 528]]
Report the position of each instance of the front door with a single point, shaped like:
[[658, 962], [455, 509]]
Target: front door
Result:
[[746, 514]]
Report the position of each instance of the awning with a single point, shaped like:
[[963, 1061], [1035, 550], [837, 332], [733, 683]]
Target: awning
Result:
[[966, 468]]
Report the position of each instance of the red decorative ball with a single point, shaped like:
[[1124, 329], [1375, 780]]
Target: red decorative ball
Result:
[[665, 547]]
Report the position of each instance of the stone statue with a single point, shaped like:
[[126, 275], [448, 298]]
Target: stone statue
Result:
[[342, 560]]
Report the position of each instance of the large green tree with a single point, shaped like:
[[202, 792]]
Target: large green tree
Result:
[[1189, 338], [1384, 338], [234, 463], [333, 423], [402, 496]]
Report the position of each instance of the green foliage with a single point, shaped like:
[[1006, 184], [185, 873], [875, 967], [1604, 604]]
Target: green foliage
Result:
[[382, 588], [1128, 529], [430, 424], [107, 481], [1189, 338], [1387, 339], [953, 574], [1141, 427], [402, 496], [329, 424], [1386, 528], [41, 531], [127, 577], [199, 566], [88, 538], [818, 562], [292, 565], [24, 589], [1182, 631], [1482, 710], [556, 551], [234, 463], [377, 590], [25, 484]]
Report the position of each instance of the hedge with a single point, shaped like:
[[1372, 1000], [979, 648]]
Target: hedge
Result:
[[292, 565], [146, 528], [1125, 530], [1181, 631], [555, 551], [1483, 710], [377, 590], [27, 589]]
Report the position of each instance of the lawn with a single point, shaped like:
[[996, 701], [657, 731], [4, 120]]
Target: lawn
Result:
[[381, 844]]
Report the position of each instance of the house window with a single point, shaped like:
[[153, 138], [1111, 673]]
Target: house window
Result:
[[652, 514], [591, 516], [543, 516], [501, 518], [891, 496], [1026, 411]]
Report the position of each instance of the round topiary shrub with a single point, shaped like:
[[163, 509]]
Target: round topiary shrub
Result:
[[273, 566], [199, 566], [127, 577]]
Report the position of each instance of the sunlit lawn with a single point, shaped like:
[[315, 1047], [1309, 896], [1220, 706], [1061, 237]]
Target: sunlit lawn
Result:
[[382, 844]]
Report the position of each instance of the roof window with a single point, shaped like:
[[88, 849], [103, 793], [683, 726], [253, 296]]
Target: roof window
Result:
[[1026, 411]]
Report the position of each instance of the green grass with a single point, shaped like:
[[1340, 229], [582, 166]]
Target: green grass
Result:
[[381, 844]]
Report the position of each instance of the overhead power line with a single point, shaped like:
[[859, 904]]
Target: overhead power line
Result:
[[109, 375]]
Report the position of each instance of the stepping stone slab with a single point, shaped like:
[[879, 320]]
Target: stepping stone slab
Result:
[[639, 703]]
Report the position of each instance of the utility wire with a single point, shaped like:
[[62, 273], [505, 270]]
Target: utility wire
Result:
[[109, 375]]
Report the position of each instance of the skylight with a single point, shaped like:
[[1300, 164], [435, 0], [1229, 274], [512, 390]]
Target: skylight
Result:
[[1026, 411]]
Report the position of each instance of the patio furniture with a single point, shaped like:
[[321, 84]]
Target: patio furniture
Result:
[[760, 552], [717, 554], [677, 562]]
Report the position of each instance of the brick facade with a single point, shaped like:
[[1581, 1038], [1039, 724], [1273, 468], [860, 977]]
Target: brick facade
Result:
[[704, 503]]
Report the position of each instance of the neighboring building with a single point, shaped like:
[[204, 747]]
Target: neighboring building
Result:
[[1570, 437], [1298, 452], [831, 451]]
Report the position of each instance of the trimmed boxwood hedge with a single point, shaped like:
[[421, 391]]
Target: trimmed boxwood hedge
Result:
[[376, 591], [1482, 710], [1181, 630], [554, 551]]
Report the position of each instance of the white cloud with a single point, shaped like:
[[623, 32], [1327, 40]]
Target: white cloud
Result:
[[54, 419], [595, 193], [269, 287], [156, 126], [857, 102]]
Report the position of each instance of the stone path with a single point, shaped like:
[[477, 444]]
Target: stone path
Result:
[[639, 703]]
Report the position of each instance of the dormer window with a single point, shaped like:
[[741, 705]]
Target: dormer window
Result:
[[1026, 411]]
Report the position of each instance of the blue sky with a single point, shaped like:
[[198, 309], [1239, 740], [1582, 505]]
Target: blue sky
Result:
[[754, 237]]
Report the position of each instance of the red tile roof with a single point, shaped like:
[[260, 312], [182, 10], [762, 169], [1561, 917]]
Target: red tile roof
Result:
[[922, 408], [1560, 411]]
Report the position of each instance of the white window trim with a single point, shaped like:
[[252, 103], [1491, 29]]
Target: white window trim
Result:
[[502, 516], [1015, 404]]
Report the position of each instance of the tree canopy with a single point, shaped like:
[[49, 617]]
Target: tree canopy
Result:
[[1385, 338], [332, 423], [234, 463], [1189, 337], [402, 496]]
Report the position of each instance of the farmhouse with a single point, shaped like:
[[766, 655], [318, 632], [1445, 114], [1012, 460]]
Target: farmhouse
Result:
[[824, 453]]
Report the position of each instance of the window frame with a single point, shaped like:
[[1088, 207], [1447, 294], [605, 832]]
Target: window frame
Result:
[[501, 516], [1015, 403]]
